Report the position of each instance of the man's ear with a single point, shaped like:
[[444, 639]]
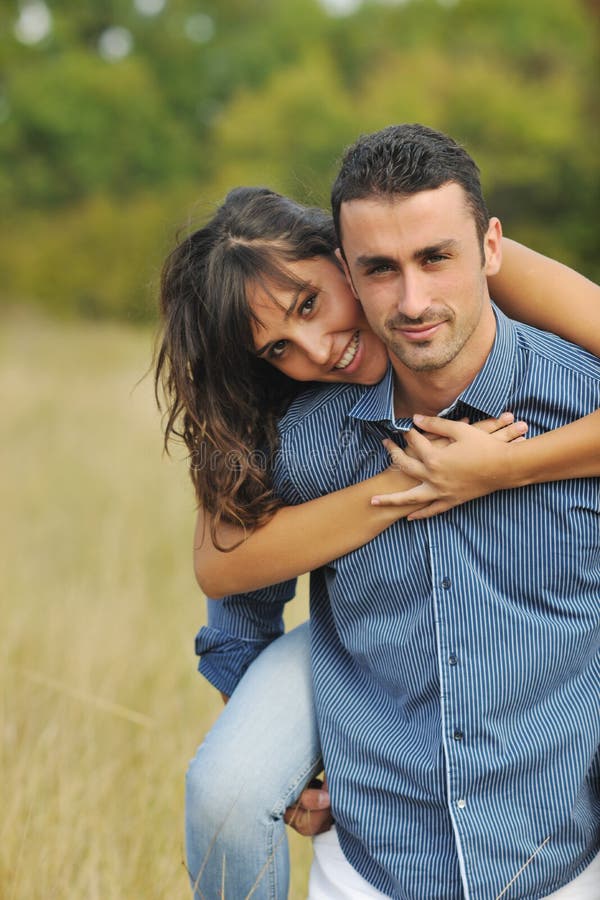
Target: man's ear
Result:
[[342, 261], [492, 247]]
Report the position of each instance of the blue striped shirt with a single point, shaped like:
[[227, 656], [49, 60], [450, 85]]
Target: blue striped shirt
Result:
[[456, 659]]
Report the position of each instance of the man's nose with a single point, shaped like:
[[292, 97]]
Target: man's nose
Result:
[[413, 299]]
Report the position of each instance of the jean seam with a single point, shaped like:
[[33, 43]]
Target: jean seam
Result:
[[312, 768], [315, 766]]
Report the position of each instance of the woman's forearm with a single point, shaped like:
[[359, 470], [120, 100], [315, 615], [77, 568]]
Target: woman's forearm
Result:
[[475, 464], [532, 288], [301, 538], [296, 539], [538, 290], [572, 451]]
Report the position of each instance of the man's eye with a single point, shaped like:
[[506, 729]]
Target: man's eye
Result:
[[380, 269], [277, 349], [436, 258]]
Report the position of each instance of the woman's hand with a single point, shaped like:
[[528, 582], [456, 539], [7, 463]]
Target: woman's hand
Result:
[[311, 814], [453, 461]]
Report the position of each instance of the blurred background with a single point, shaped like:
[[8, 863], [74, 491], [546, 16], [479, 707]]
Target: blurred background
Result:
[[122, 121]]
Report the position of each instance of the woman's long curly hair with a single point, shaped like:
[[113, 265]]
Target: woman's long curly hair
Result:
[[220, 398]]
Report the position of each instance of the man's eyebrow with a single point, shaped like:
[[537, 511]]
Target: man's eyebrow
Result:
[[368, 262], [435, 249]]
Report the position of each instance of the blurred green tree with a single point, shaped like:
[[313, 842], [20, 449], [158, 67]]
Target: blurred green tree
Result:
[[119, 117]]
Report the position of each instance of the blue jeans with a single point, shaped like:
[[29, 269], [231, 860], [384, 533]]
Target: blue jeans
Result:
[[253, 764]]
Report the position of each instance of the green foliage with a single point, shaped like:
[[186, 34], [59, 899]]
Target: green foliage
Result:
[[98, 258], [287, 134], [83, 127], [95, 153]]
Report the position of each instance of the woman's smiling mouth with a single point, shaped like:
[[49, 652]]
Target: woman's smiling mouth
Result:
[[349, 353]]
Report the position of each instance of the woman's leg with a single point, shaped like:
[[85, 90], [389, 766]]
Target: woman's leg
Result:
[[255, 761]]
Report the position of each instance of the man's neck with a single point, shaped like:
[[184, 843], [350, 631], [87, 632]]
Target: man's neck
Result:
[[430, 392], [427, 393]]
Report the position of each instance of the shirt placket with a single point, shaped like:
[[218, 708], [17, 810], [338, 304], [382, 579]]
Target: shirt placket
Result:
[[451, 655]]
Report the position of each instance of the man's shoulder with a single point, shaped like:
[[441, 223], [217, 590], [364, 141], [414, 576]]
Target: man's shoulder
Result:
[[312, 441], [320, 405], [555, 353]]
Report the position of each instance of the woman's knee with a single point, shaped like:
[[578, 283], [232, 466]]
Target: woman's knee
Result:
[[213, 789], [264, 744], [220, 788]]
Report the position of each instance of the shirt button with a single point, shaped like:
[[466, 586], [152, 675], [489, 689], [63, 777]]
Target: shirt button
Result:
[[458, 735], [461, 803], [452, 660], [446, 583]]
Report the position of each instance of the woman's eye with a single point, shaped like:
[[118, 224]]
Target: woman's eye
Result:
[[277, 349], [308, 305]]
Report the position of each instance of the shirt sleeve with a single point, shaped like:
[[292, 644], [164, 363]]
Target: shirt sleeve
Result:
[[238, 628]]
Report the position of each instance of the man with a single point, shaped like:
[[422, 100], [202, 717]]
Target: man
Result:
[[455, 658]]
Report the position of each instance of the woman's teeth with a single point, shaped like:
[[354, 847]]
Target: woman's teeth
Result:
[[350, 353]]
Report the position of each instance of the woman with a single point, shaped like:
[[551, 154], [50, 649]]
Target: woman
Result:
[[255, 291]]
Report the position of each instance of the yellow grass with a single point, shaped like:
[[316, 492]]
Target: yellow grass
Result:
[[100, 707]]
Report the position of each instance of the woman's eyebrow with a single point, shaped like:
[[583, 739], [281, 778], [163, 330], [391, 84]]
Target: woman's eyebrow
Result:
[[294, 302], [262, 349], [287, 313]]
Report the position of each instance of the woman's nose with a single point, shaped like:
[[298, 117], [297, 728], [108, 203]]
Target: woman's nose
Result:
[[317, 347]]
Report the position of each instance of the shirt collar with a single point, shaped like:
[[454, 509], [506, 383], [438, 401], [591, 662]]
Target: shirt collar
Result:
[[487, 394], [376, 403]]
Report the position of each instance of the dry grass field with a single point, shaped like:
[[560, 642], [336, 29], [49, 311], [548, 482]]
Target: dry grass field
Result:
[[100, 705]]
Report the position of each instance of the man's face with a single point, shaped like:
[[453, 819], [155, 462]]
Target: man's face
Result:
[[416, 264]]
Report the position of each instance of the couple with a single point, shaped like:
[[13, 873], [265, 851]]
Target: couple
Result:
[[454, 657]]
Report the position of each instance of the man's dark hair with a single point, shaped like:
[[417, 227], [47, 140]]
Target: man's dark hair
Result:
[[406, 159]]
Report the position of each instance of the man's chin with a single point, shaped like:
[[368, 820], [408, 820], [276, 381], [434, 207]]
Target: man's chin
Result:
[[424, 361]]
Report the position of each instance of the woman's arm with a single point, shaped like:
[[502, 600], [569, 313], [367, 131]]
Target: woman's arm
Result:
[[301, 538], [296, 539], [475, 464], [542, 292], [572, 451]]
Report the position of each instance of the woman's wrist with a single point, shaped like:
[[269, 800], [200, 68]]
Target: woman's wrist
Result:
[[520, 468], [390, 480]]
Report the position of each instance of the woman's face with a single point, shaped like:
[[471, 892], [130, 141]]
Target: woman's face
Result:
[[318, 333]]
